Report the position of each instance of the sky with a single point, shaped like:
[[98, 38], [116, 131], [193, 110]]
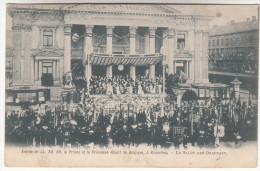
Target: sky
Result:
[[221, 13], [225, 13]]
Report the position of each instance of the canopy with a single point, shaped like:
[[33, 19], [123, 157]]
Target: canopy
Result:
[[124, 59]]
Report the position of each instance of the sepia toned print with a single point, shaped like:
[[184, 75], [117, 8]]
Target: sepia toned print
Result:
[[127, 85]]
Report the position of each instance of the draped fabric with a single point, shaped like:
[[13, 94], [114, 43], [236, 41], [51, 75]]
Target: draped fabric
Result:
[[117, 59]]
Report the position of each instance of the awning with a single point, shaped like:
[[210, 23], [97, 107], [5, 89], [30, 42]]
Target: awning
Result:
[[124, 59]]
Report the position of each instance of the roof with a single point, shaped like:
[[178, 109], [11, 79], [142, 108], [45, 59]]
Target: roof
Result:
[[129, 8], [200, 10], [234, 28], [136, 60]]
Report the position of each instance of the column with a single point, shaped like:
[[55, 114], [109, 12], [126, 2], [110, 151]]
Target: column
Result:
[[152, 50], [192, 70], [152, 72], [22, 55], [32, 70], [109, 49], [58, 70], [35, 69], [67, 48], [109, 39], [109, 71], [22, 70], [54, 70], [152, 40], [88, 49], [174, 67], [17, 55], [132, 72], [27, 54], [198, 56], [132, 39], [179, 96], [171, 48], [88, 71], [146, 43], [205, 66], [188, 69], [40, 70], [61, 64]]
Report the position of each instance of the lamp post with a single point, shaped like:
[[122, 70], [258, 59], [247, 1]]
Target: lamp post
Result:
[[236, 83], [163, 96], [88, 75], [164, 61]]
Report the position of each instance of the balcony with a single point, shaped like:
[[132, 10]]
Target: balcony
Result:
[[124, 59]]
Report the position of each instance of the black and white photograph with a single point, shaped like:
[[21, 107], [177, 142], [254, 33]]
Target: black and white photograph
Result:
[[127, 85]]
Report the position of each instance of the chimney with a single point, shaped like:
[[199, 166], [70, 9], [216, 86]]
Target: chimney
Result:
[[253, 18], [232, 22]]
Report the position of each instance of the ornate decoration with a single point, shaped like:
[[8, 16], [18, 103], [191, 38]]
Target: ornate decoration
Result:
[[67, 29], [22, 27], [132, 31], [89, 29], [110, 31], [152, 32], [171, 33], [128, 8], [47, 52], [182, 54]]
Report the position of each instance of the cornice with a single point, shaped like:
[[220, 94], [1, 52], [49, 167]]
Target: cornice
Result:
[[64, 12]]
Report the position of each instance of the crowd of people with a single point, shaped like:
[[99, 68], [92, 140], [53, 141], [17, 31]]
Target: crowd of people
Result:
[[234, 67], [233, 63], [133, 122], [121, 85]]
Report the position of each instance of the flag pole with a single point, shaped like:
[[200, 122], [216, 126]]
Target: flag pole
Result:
[[162, 109], [88, 74]]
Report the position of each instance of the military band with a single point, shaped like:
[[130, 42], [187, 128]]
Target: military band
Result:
[[198, 124]]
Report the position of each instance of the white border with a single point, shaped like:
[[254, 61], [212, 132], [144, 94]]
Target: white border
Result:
[[2, 68]]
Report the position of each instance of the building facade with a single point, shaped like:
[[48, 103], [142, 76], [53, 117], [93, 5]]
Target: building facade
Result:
[[233, 52], [51, 40]]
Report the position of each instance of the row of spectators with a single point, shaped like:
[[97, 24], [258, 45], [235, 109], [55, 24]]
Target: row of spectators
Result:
[[121, 85], [234, 67], [238, 56]]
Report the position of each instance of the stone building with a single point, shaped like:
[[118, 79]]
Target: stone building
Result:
[[233, 52], [53, 39]]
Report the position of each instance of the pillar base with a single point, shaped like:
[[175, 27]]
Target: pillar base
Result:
[[205, 81], [152, 72], [132, 72], [17, 83], [109, 71]]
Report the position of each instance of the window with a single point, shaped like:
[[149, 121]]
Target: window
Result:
[[227, 42], [47, 68], [243, 40], [222, 42], [238, 41], [180, 41], [218, 42], [213, 42], [231, 41], [47, 38], [251, 39]]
